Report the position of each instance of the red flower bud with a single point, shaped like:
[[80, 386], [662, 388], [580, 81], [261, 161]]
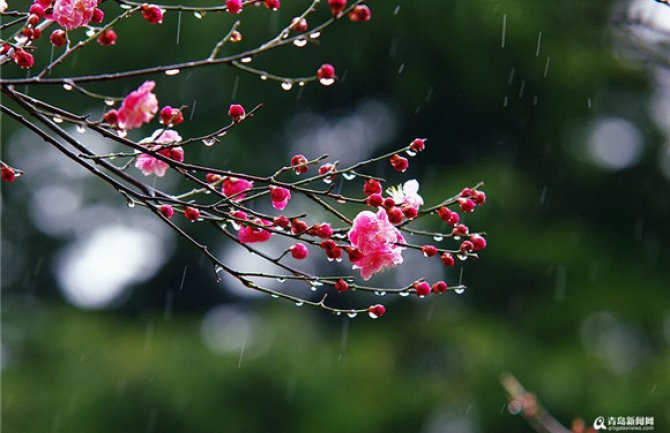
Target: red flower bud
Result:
[[107, 38], [460, 230], [417, 145], [429, 250], [375, 200], [466, 204], [478, 242], [8, 173], [272, 4], [234, 6], [299, 164], [372, 186], [337, 6], [171, 116], [341, 285], [299, 25], [395, 215], [191, 213], [360, 13], [299, 251], [440, 287], [58, 38], [326, 72], [376, 311], [24, 59], [166, 210], [98, 16], [479, 197], [212, 177], [281, 221], [466, 246], [422, 289], [399, 163], [447, 259], [111, 117], [236, 111], [152, 13], [36, 9], [410, 212], [298, 226]]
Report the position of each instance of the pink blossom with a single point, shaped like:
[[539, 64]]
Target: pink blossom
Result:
[[376, 240], [138, 107], [280, 197], [407, 194], [233, 186], [149, 164], [72, 14], [251, 234]]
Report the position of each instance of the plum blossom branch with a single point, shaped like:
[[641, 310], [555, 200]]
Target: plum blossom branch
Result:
[[233, 203]]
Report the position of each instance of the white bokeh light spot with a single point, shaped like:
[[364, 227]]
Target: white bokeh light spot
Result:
[[95, 271]]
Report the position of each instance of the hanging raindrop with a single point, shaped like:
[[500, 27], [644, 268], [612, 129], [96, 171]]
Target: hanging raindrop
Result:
[[198, 15], [58, 119], [315, 35], [349, 176], [209, 141], [352, 314], [246, 60], [67, 87], [109, 102], [438, 238], [327, 81], [172, 72], [459, 290], [300, 43], [286, 85], [81, 129]]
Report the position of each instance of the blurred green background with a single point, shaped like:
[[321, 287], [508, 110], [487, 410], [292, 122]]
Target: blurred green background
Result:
[[563, 115]]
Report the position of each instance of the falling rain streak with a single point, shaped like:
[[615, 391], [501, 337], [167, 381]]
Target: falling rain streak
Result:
[[504, 31]]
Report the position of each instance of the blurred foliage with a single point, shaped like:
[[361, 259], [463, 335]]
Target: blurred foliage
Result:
[[573, 247]]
